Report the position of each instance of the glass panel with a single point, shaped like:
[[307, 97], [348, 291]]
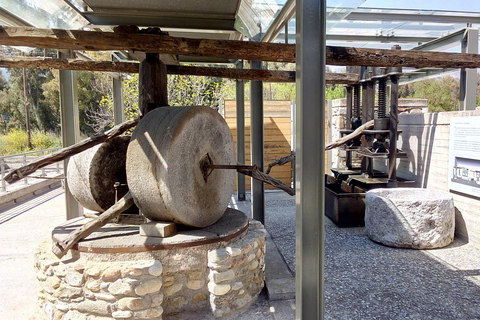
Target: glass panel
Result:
[[45, 13], [473, 6]]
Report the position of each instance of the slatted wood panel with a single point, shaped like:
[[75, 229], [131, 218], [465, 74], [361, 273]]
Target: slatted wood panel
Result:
[[277, 130], [271, 108]]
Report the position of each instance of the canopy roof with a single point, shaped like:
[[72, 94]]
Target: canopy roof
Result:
[[350, 23]]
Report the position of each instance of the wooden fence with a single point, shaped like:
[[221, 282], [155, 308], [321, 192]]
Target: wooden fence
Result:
[[277, 135]]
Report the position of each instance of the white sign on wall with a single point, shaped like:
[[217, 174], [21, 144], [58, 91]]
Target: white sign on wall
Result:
[[464, 155]]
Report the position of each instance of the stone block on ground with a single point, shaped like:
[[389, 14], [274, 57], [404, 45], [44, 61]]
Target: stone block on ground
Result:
[[158, 229], [410, 217]]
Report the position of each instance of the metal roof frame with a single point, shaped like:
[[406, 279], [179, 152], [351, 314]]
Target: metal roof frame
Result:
[[373, 14]]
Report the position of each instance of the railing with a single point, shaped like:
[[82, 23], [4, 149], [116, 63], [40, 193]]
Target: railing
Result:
[[24, 162]]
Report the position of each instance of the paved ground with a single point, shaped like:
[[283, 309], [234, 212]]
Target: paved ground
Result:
[[22, 228], [363, 280]]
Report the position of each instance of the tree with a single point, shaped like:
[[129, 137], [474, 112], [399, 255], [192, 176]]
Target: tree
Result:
[[442, 93], [335, 92], [35, 79], [182, 91], [194, 91]]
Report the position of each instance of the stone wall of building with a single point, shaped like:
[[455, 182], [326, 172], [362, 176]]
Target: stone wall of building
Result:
[[201, 282]]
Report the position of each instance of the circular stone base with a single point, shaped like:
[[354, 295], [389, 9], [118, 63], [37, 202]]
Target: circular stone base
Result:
[[116, 273], [410, 217]]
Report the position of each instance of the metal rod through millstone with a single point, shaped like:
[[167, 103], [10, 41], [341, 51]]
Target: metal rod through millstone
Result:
[[208, 167]]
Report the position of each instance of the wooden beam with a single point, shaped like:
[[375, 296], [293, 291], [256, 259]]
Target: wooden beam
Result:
[[153, 43], [68, 64], [227, 49], [349, 137], [344, 56], [60, 248], [258, 74], [133, 67], [239, 74]]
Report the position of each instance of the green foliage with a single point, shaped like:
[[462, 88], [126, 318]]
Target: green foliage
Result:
[[182, 91], [51, 94], [194, 91], [42, 140], [130, 96], [92, 87], [15, 141], [334, 93], [442, 93]]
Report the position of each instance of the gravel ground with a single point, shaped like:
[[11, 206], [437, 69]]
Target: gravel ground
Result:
[[366, 280]]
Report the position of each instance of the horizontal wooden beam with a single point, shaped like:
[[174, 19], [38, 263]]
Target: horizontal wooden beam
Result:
[[133, 67], [227, 49], [68, 64], [154, 43], [238, 74], [346, 56], [258, 74]]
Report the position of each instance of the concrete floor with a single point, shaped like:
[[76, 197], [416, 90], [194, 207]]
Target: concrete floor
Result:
[[363, 280]]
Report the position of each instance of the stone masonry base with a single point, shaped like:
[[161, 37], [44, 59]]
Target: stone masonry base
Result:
[[218, 280]]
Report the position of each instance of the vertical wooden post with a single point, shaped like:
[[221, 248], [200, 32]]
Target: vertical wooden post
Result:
[[152, 84]]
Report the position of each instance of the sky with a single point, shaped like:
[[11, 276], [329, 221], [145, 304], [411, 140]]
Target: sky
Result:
[[449, 5]]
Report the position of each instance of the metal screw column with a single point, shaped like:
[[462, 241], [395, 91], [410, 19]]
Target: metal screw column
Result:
[[356, 120], [381, 122], [348, 160], [370, 97], [349, 107]]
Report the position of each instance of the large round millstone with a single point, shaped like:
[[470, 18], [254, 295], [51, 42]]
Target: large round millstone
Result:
[[164, 165], [91, 174], [410, 217]]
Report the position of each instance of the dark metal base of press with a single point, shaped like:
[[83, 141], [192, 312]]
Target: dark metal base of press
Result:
[[345, 209], [368, 183]]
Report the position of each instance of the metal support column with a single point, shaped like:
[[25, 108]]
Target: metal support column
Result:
[[394, 73], [256, 144], [392, 155], [70, 127], [468, 77], [310, 191], [118, 114], [240, 95]]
